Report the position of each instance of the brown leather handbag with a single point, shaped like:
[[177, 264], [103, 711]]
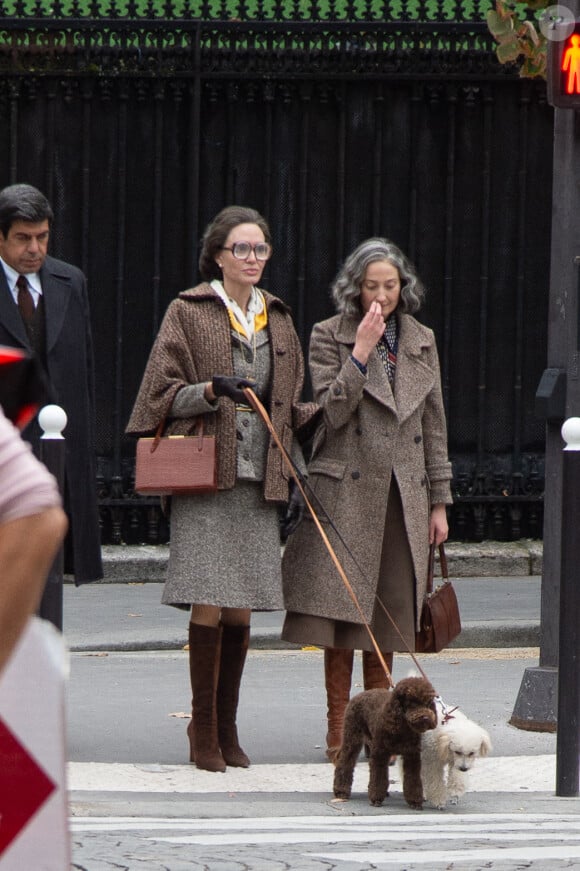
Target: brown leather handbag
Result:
[[166, 465], [440, 620]]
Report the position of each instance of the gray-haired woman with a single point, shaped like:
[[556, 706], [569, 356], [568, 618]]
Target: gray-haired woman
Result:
[[224, 557], [379, 468]]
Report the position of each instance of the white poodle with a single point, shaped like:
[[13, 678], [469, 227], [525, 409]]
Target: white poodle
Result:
[[447, 754]]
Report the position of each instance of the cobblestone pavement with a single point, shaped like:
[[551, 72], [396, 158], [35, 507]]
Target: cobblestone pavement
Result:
[[403, 841], [272, 817]]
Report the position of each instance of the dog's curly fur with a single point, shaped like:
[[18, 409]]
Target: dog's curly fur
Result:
[[447, 754], [389, 722]]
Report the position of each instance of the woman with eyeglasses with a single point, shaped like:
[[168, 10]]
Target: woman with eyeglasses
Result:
[[224, 561], [379, 468]]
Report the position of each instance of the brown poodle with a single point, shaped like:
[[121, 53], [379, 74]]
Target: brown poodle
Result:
[[389, 722]]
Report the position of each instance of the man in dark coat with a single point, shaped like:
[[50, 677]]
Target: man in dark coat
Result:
[[44, 308]]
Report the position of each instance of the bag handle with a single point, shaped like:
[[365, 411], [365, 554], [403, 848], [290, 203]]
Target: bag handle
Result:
[[198, 431], [157, 436], [431, 571]]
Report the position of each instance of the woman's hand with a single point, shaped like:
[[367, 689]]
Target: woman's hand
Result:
[[438, 526], [230, 386], [369, 331], [294, 512]]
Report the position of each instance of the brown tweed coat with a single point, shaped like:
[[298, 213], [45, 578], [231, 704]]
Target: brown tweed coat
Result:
[[192, 345], [368, 435]]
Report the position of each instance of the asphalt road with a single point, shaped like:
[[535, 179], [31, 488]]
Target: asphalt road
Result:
[[130, 707]]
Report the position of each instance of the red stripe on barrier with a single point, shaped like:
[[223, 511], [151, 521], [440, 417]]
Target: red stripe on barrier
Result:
[[24, 787]]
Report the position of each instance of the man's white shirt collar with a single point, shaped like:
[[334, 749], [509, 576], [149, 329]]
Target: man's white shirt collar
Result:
[[12, 277]]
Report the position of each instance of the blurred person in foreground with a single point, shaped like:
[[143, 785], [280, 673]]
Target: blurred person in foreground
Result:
[[32, 527]]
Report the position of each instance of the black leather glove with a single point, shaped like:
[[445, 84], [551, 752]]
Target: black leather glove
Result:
[[231, 386], [294, 513]]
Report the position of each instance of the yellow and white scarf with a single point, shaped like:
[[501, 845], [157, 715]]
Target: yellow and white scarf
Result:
[[245, 324]]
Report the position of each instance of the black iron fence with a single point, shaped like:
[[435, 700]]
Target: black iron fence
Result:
[[350, 120]]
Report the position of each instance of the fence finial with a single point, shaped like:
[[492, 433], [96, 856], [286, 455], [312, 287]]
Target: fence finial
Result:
[[52, 419], [571, 433]]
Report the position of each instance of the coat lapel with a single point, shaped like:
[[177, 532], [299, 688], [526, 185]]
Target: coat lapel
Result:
[[56, 289], [413, 379], [10, 316]]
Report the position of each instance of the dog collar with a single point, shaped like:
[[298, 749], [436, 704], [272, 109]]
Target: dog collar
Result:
[[446, 713]]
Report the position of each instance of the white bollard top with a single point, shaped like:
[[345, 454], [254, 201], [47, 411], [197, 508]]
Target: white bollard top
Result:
[[571, 433], [52, 419]]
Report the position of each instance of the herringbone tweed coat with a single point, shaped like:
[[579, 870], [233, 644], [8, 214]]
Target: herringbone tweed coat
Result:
[[193, 344], [368, 436]]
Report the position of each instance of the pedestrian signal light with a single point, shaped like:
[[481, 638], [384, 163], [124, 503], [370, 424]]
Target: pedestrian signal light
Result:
[[564, 68]]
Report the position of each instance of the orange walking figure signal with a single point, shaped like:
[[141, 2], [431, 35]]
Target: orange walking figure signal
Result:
[[571, 65]]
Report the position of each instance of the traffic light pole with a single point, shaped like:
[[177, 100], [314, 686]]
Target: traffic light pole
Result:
[[536, 705]]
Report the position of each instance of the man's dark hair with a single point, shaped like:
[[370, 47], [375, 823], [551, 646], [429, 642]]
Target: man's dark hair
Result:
[[22, 202]]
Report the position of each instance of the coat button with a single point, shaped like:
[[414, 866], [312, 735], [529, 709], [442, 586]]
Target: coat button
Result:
[[245, 422], [337, 391], [418, 439], [355, 475], [358, 430]]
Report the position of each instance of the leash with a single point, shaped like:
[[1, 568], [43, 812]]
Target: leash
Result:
[[259, 408], [364, 576]]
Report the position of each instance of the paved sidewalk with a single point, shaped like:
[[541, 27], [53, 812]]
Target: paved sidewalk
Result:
[[499, 774]]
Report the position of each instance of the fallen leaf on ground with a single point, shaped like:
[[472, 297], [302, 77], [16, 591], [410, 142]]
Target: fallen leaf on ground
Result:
[[181, 715]]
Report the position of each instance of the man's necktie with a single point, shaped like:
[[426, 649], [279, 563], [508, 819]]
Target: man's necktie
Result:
[[25, 300]]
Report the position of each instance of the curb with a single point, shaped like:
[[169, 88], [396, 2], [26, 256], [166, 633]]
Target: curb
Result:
[[147, 563], [488, 634]]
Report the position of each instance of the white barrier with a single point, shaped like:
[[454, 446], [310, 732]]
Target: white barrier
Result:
[[33, 798]]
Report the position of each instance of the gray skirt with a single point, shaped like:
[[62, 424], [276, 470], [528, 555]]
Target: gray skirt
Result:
[[395, 589], [225, 550]]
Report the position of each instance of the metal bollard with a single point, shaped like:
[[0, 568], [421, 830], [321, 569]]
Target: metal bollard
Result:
[[53, 419], [568, 737]]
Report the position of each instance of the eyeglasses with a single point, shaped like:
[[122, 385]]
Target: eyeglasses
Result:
[[242, 250]]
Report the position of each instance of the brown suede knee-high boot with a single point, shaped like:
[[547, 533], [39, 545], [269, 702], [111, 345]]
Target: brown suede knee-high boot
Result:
[[374, 676], [204, 663], [337, 677], [235, 640]]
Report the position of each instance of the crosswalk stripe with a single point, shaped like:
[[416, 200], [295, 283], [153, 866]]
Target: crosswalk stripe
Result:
[[455, 858], [400, 826], [459, 839]]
